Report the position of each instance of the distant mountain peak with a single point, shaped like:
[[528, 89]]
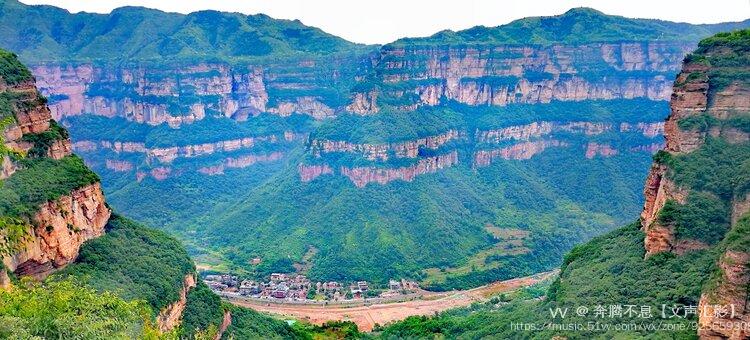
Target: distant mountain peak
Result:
[[578, 11], [576, 26]]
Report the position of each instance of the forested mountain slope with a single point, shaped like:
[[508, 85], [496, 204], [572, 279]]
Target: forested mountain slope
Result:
[[457, 159], [688, 254], [468, 162], [72, 269]]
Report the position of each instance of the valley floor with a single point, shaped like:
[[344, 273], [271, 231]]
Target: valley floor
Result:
[[366, 316]]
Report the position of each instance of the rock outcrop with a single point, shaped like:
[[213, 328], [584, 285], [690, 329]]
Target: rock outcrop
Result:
[[310, 106], [519, 151], [240, 162], [225, 323], [724, 309], [711, 93], [150, 94], [693, 99], [4, 279], [650, 130], [690, 98], [361, 176], [364, 103], [170, 316], [59, 229], [382, 152], [167, 154], [308, 173], [657, 191], [506, 74], [7, 168], [539, 129], [596, 149]]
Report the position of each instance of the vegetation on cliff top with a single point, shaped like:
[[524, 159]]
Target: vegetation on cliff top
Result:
[[12, 71], [46, 33], [135, 262], [576, 26], [66, 310], [41, 180], [44, 140], [612, 269]]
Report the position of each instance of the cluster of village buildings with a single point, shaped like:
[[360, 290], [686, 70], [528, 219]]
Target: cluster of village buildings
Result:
[[299, 287]]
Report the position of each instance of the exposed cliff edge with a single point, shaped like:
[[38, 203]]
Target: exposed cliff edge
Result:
[[530, 61], [506, 74], [52, 208], [55, 228], [702, 107], [170, 316], [361, 176], [225, 323], [59, 229], [709, 106]]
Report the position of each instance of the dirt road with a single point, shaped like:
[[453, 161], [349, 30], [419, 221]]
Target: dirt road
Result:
[[367, 316]]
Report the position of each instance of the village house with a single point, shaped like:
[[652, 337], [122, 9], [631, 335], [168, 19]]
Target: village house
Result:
[[280, 291], [394, 285], [248, 287], [276, 277]]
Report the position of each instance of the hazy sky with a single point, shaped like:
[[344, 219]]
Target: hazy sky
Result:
[[382, 21]]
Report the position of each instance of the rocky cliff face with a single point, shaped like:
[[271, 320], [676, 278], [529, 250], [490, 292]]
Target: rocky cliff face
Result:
[[4, 279], [225, 323], [382, 152], [519, 151], [725, 306], [139, 159], [543, 128], [310, 172], [512, 142], [182, 94], [240, 162], [693, 98], [167, 154], [657, 191], [170, 316], [710, 96], [30, 116], [506, 74], [59, 229], [361, 176]]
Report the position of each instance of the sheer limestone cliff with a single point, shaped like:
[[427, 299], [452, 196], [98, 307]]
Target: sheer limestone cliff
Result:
[[58, 227], [710, 106], [507, 74], [170, 317], [52, 203], [697, 99]]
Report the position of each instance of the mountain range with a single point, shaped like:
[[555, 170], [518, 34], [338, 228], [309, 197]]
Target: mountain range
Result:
[[683, 264], [457, 159]]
